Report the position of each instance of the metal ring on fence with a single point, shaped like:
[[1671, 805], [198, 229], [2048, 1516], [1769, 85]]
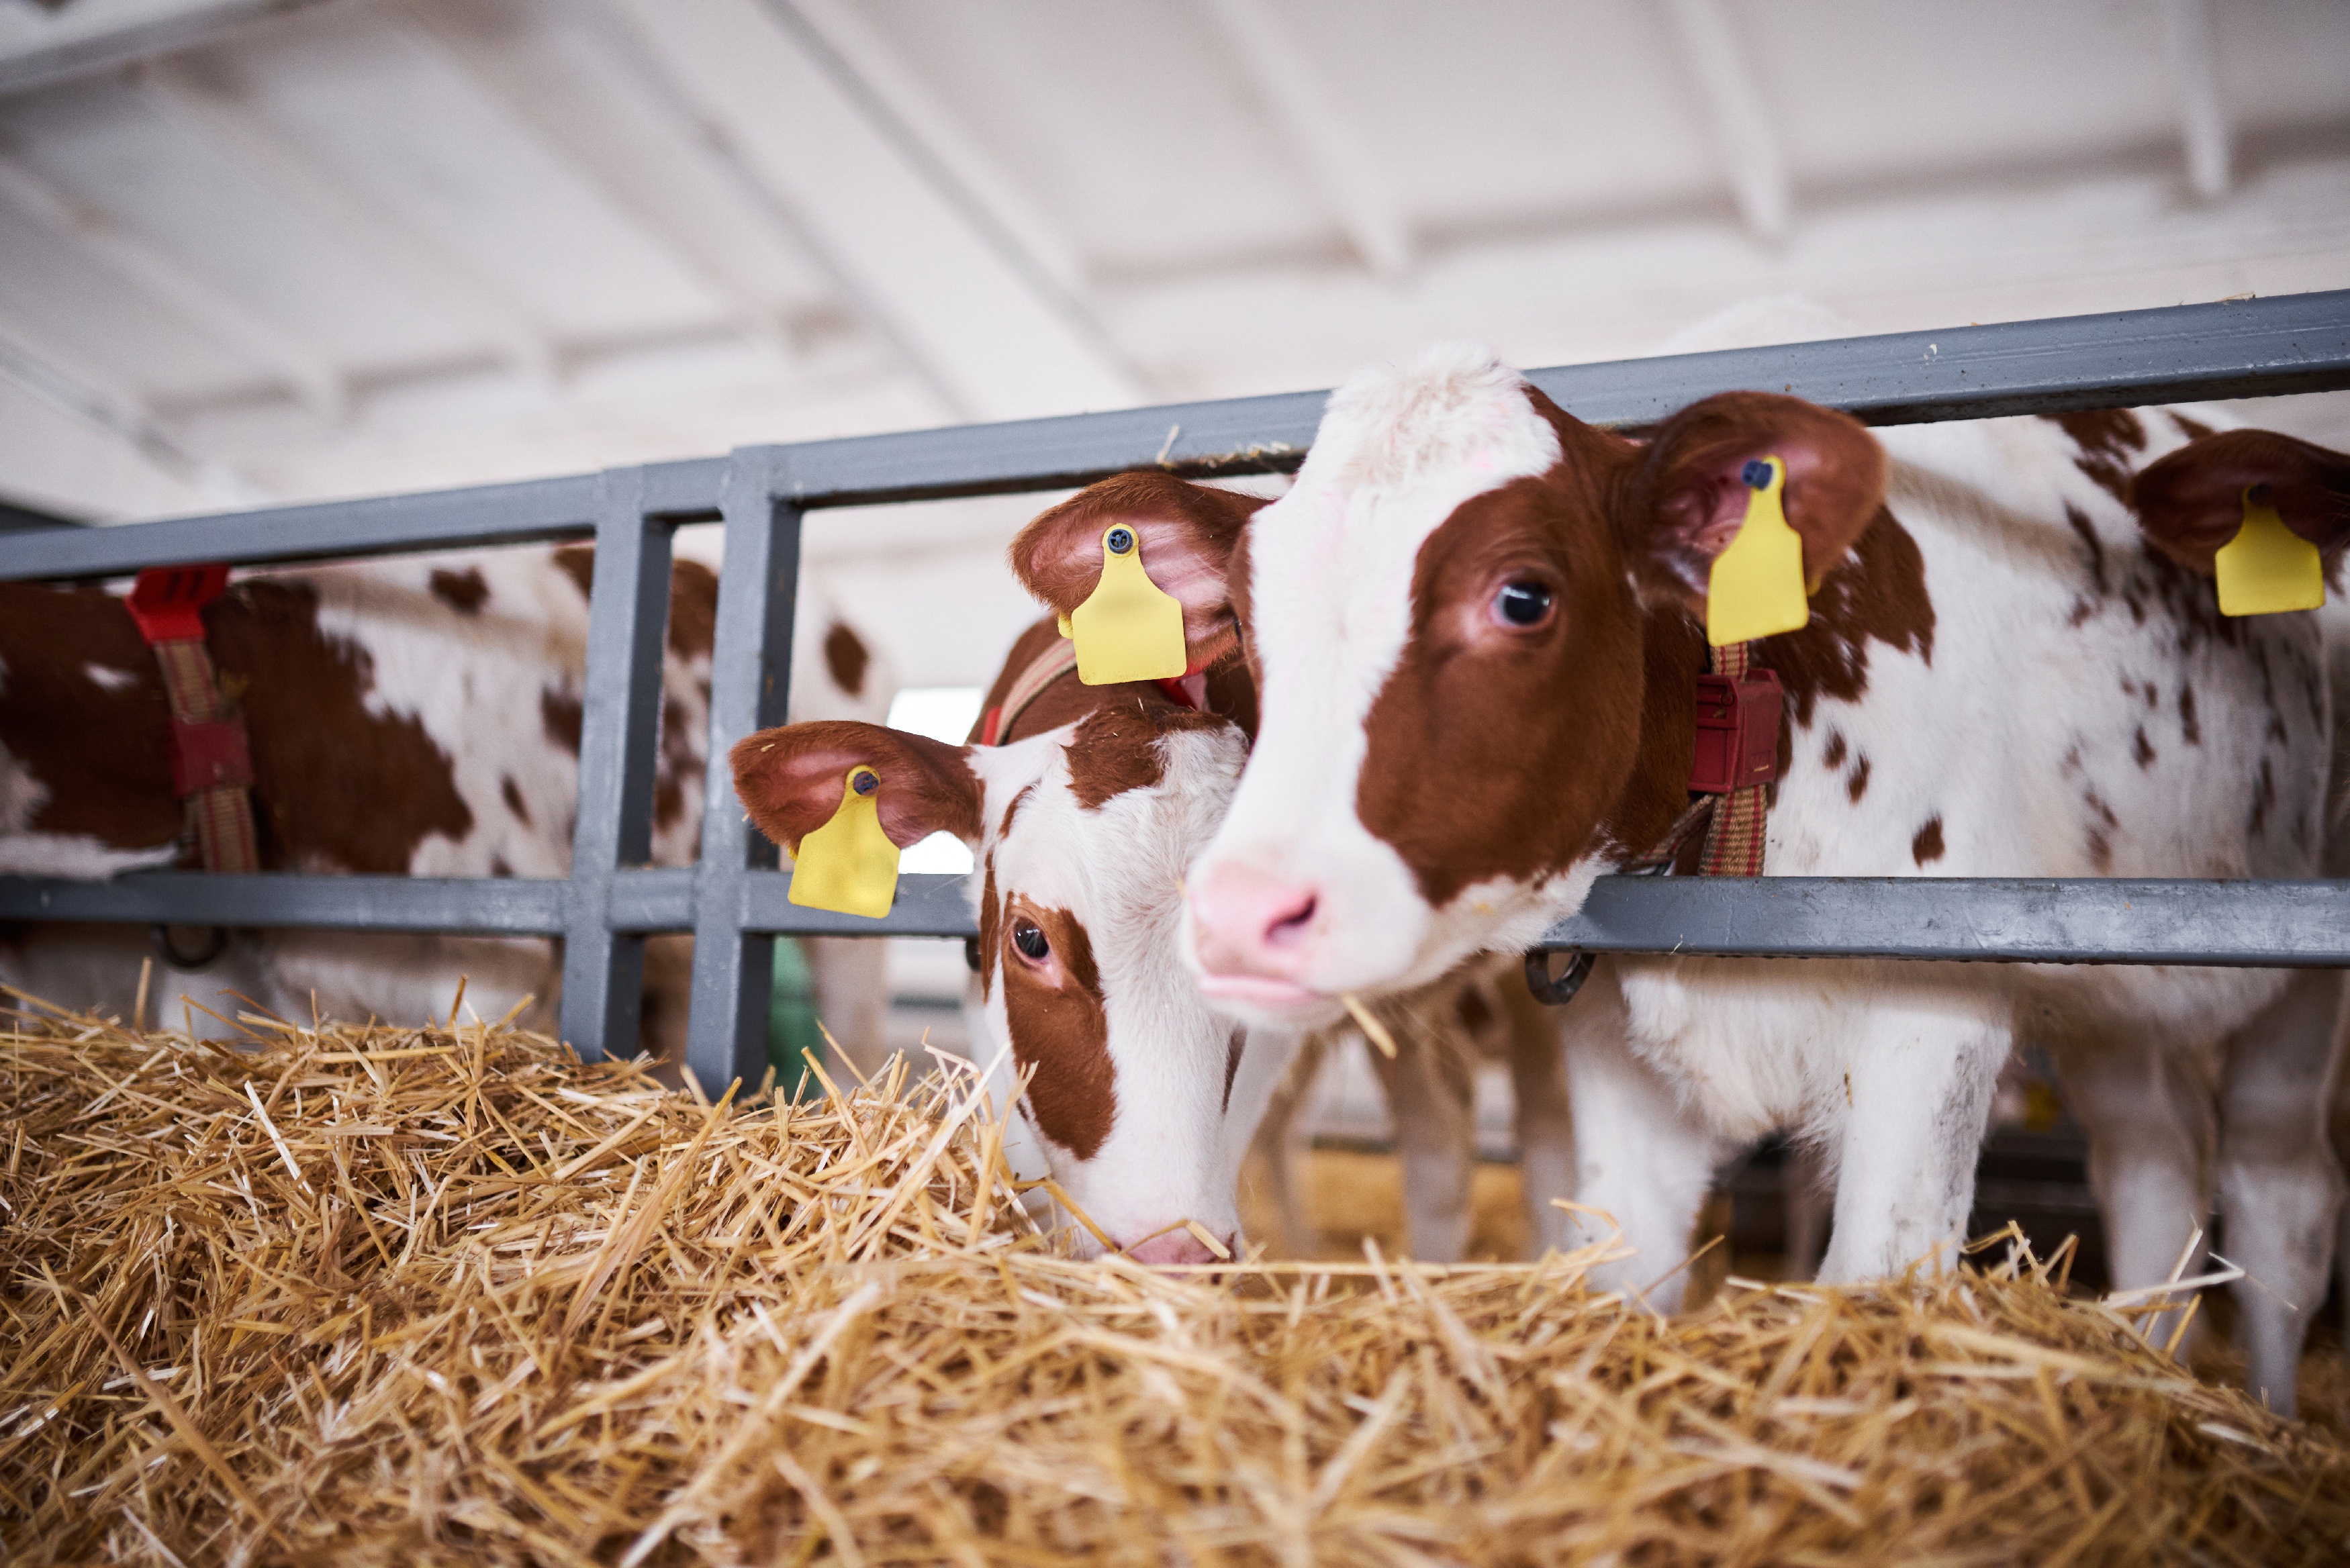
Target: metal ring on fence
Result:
[[1560, 991], [177, 960]]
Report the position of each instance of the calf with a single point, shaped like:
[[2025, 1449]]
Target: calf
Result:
[[1476, 626], [1081, 805], [410, 716]]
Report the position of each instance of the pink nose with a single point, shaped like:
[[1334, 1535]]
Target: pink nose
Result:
[[1175, 1247], [1244, 922]]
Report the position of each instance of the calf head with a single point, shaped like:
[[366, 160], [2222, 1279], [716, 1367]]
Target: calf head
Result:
[[1458, 619], [1082, 834]]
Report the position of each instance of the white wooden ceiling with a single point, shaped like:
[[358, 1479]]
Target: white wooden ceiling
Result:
[[255, 249]]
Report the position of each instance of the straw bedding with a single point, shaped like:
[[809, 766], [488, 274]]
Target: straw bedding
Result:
[[445, 1294]]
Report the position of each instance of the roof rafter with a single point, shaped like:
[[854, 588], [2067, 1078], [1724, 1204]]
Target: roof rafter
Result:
[[309, 374], [1335, 159], [2195, 75], [101, 35], [1742, 137], [982, 321], [441, 280]]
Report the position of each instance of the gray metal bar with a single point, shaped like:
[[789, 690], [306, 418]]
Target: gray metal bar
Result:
[[926, 907], [434, 520], [2076, 920], [2292, 343], [628, 615], [750, 683], [503, 906]]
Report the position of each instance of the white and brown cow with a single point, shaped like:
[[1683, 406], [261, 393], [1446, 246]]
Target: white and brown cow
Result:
[[1476, 626], [409, 716], [1081, 815]]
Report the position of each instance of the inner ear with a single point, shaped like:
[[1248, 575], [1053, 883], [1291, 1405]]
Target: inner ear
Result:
[[2192, 501], [791, 779], [1187, 533], [1689, 496]]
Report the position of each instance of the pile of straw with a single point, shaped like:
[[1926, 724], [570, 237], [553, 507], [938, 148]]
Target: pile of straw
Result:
[[445, 1294]]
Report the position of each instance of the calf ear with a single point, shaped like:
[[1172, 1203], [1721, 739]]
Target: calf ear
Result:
[[2192, 501], [1188, 533], [791, 780], [1688, 499]]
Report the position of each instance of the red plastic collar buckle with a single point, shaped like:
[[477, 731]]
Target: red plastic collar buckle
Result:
[[168, 602], [1737, 731], [210, 754]]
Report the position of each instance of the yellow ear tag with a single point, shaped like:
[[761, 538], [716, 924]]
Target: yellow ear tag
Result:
[[1757, 585], [1127, 630], [2267, 567], [849, 865]]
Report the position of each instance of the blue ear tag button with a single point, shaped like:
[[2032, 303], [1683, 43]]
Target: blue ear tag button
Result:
[[849, 865]]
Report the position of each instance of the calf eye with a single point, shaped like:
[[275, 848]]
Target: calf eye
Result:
[[1030, 941], [1523, 604]]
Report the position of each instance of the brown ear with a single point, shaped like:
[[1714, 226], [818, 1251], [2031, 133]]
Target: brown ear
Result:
[[1688, 500], [790, 779], [1188, 532], [2192, 501]]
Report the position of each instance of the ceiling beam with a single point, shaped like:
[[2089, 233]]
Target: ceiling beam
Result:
[[1339, 166], [1742, 138], [515, 79], [934, 134], [981, 320], [306, 373], [94, 404], [38, 46], [439, 281], [2195, 75]]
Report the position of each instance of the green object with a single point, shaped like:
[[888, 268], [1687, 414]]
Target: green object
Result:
[[791, 1023]]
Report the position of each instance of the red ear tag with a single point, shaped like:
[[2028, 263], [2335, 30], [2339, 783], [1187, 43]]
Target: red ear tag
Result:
[[1737, 731]]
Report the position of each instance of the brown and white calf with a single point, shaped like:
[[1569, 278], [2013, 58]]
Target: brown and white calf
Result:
[[1475, 623], [415, 716], [1080, 814]]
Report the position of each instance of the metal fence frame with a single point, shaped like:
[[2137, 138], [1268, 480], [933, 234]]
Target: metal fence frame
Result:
[[733, 899]]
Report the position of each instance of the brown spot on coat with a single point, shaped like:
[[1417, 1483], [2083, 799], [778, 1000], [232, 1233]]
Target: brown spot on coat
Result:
[[1116, 748], [560, 715], [1876, 593], [846, 655], [1833, 757], [2106, 438], [1927, 847], [1857, 784], [2191, 729], [2089, 542], [465, 592], [692, 609], [2142, 749], [991, 952], [1060, 1032], [103, 756], [577, 562], [1232, 1064], [512, 794]]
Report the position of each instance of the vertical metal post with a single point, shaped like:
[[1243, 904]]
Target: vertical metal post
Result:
[[750, 686], [628, 617]]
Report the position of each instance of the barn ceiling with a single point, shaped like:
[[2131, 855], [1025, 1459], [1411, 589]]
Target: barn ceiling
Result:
[[254, 249]]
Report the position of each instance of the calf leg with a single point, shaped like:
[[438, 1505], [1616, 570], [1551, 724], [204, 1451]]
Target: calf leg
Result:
[[1429, 1099], [1917, 1098], [1545, 1122], [852, 997], [2149, 1154], [1641, 1159], [2279, 1191]]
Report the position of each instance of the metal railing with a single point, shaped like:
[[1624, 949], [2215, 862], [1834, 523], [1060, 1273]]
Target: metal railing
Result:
[[733, 899]]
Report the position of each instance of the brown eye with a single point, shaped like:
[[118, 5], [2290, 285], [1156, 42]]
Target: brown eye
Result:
[[1521, 604], [1030, 941]]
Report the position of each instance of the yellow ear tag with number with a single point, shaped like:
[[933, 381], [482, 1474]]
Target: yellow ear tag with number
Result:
[[849, 865], [1127, 630], [2267, 567], [1757, 585]]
